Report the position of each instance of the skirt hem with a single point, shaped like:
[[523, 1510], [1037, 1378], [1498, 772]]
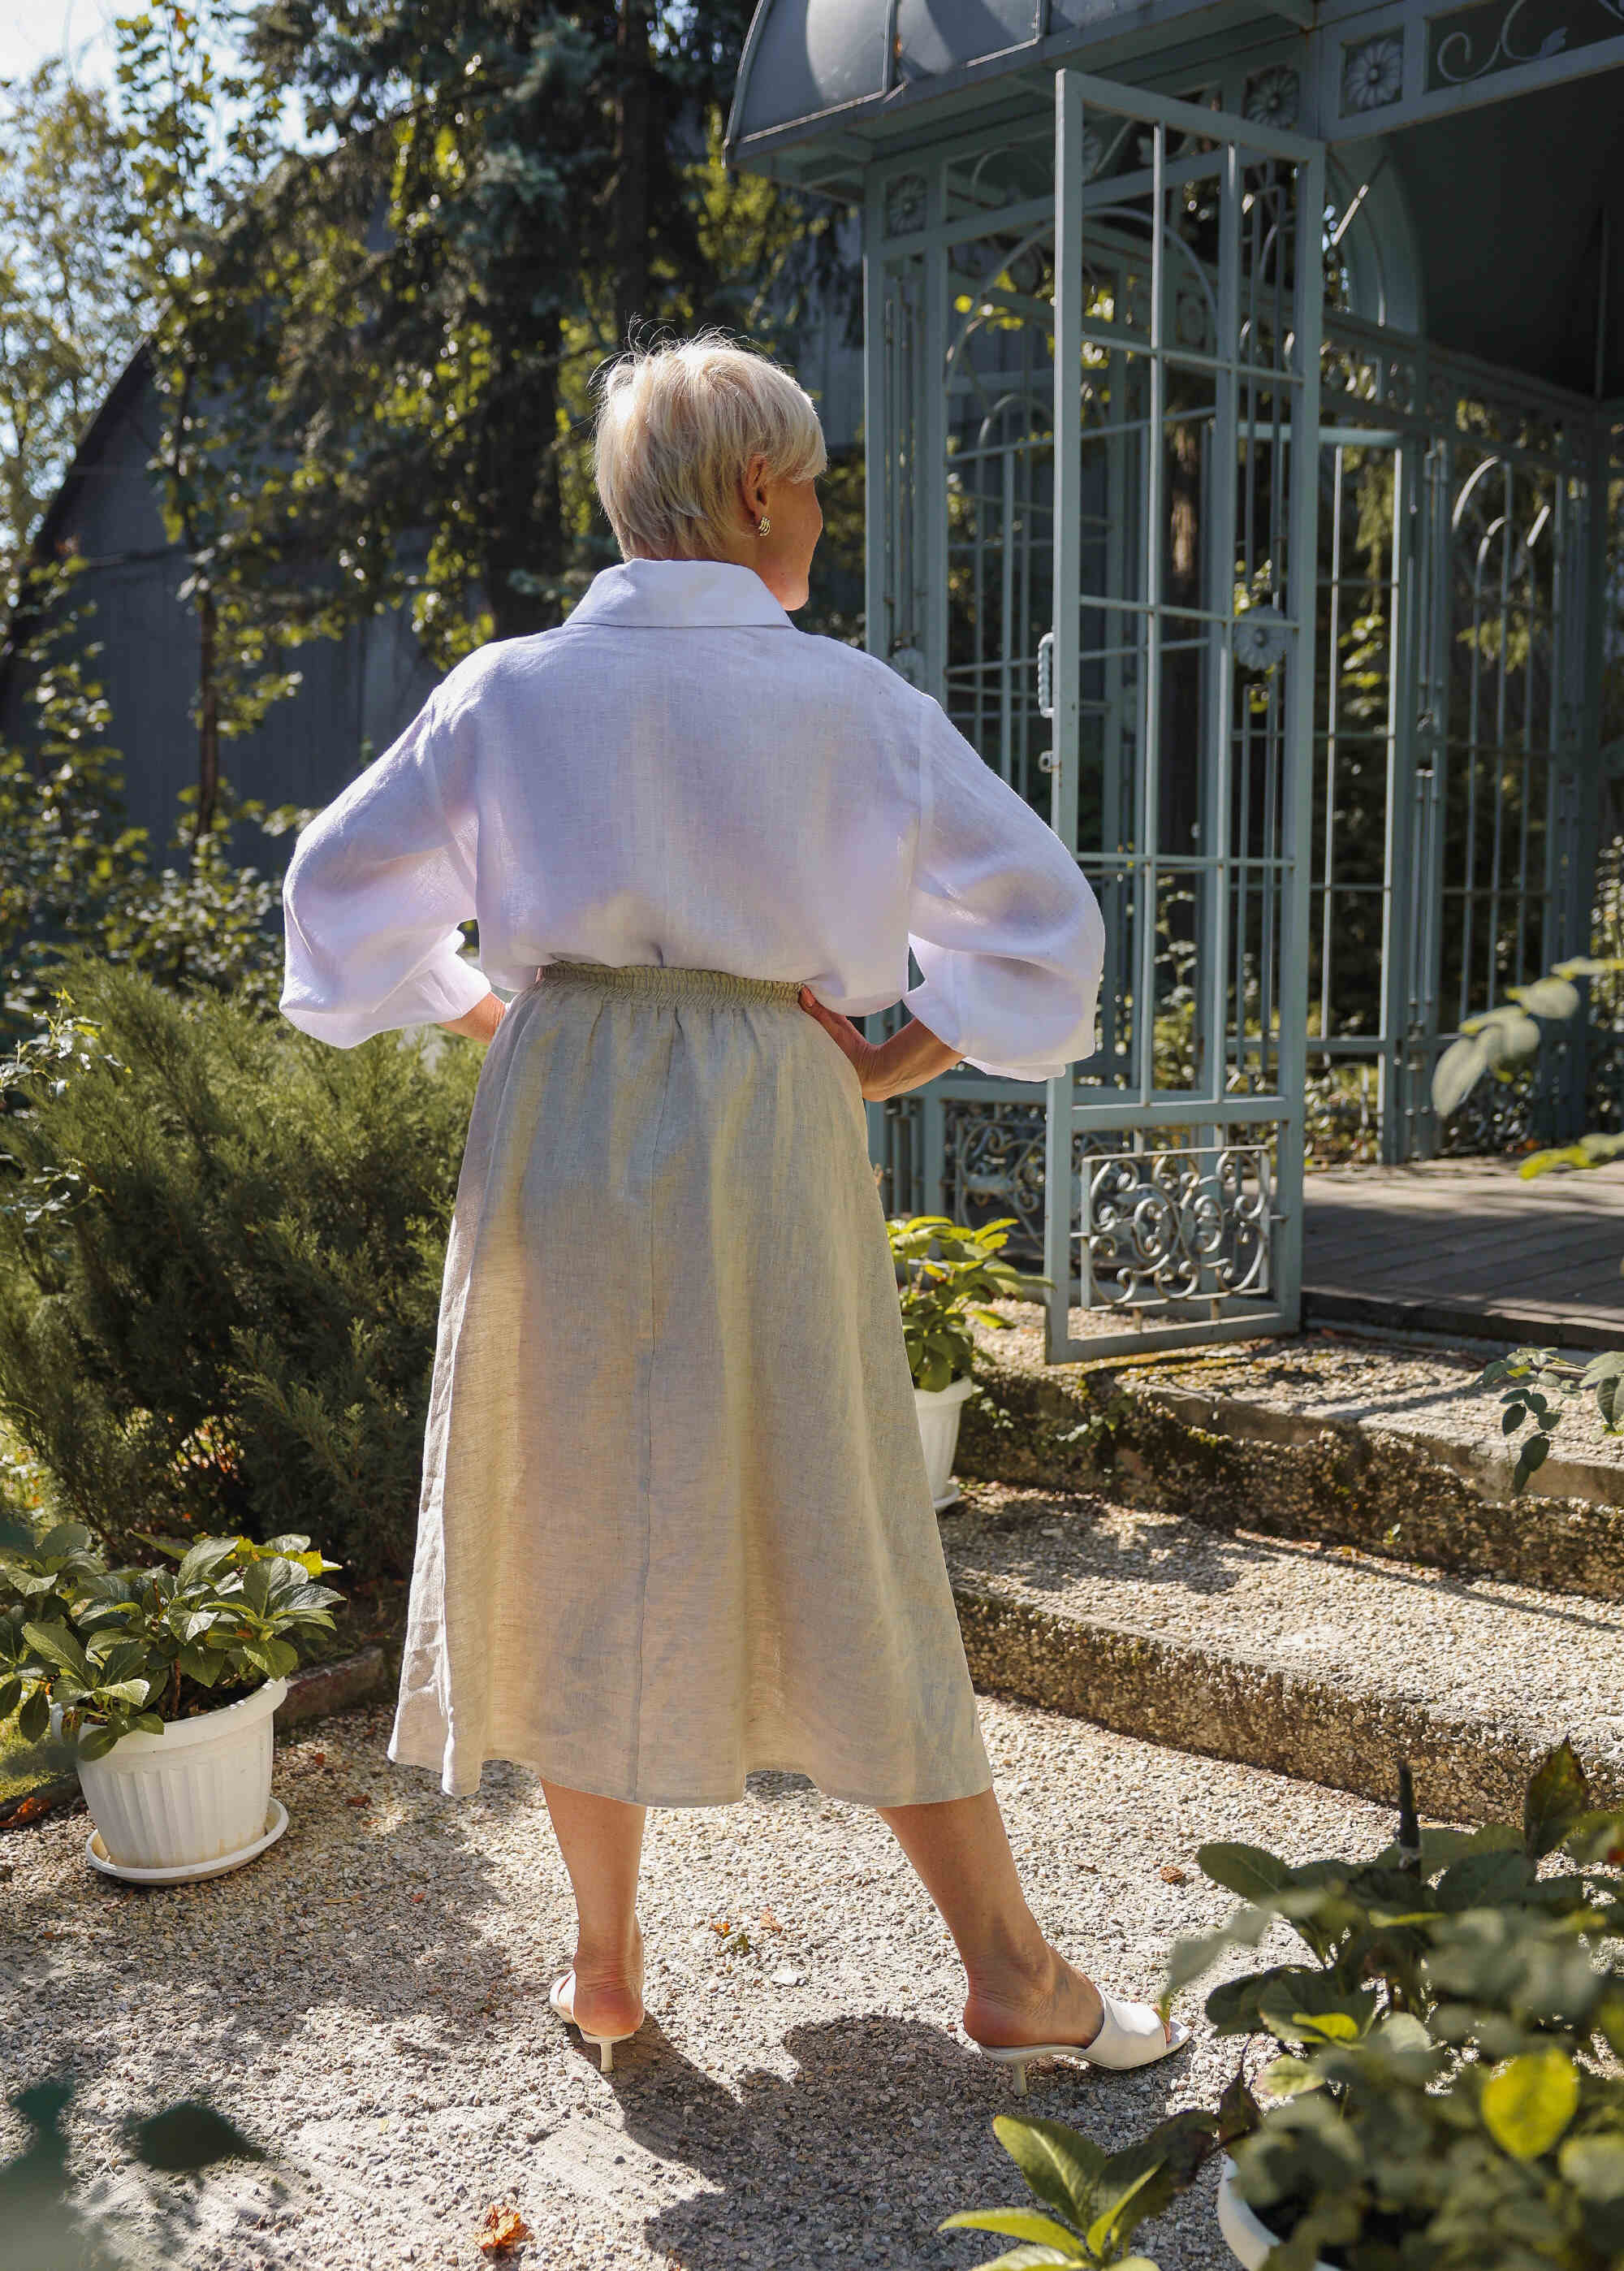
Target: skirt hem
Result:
[[847, 1796]]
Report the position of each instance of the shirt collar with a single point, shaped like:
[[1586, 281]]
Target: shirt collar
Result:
[[639, 594]]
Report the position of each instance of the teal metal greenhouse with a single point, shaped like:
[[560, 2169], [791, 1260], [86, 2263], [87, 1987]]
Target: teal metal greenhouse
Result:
[[1241, 408]]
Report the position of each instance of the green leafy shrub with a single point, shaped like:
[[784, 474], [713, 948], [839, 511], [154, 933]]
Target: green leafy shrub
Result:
[[123, 1651], [946, 1274], [74, 872], [221, 1246], [1444, 2090]]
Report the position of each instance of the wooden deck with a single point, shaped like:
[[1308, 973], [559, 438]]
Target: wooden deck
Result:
[[1465, 1245]]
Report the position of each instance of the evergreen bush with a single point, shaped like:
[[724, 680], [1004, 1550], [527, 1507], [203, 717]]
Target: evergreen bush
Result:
[[221, 1245]]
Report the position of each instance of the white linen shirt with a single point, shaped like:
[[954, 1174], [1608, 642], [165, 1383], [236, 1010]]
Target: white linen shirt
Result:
[[677, 775]]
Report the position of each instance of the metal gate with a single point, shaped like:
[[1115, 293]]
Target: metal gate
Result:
[[1186, 418], [1100, 558]]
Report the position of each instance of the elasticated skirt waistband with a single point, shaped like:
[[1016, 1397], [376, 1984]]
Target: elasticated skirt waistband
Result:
[[665, 982]]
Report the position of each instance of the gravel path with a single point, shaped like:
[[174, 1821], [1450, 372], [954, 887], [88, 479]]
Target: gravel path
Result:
[[369, 2002]]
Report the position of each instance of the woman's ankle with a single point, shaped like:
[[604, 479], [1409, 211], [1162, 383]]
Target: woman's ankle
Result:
[[1014, 1979], [1006, 2007]]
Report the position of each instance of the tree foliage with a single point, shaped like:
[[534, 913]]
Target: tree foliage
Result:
[[386, 349], [74, 872], [71, 309]]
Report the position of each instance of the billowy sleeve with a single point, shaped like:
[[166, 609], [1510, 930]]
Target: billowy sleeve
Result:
[[377, 885], [1002, 922]]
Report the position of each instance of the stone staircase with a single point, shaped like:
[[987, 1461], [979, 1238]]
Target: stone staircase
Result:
[[1303, 1555]]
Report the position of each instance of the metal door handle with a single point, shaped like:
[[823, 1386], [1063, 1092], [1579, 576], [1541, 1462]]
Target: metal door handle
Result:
[[1046, 675]]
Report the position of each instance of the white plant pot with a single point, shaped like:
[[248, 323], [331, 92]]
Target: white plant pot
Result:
[[1250, 2239], [195, 1796], [939, 1411]]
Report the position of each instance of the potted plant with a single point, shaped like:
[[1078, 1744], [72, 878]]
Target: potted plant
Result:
[[1444, 2090], [130, 1663], [946, 1275], [1444, 2086]]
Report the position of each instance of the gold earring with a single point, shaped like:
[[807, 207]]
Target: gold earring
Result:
[[764, 526]]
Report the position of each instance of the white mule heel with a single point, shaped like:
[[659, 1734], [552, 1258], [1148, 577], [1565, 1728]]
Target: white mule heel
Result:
[[561, 1995], [1131, 2035]]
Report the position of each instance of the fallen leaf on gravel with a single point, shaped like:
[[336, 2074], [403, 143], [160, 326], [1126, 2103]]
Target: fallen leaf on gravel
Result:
[[721, 1927], [318, 1758], [1172, 1874], [419, 1896], [358, 1801], [768, 1922], [34, 1807], [500, 2229]]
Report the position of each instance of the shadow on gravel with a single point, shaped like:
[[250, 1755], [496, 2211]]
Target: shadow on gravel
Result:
[[885, 2129], [380, 1919], [1047, 1543]]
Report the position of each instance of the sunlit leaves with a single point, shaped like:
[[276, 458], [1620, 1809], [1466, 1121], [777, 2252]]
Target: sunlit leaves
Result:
[[115, 1645], [948, 1273], [1529, 2102]]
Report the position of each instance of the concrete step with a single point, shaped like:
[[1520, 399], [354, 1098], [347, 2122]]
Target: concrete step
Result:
[[1320, 1663], [1387, 1446]]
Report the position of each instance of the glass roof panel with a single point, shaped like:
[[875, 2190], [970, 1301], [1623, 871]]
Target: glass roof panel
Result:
[[936, 34], [807, 56], [803, 57]]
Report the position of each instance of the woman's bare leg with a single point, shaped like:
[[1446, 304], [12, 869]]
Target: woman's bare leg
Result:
[[601, 1840], [1020, 1989]]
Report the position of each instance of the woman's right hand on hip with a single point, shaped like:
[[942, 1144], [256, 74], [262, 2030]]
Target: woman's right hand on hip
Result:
[[865, 1057]]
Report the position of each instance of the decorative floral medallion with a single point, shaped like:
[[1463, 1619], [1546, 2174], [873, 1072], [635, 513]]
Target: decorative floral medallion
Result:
[[905, 201], [1262, 635], [1272, 97], [1373, 72]]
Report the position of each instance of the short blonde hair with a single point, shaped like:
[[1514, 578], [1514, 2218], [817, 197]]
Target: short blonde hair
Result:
[[676, 425]]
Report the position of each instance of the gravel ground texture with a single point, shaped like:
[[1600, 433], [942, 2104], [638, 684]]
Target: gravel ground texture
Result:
[[368, 2002]]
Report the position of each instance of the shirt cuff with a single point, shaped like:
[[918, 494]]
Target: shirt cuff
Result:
[[445, 988], [931, 1004]]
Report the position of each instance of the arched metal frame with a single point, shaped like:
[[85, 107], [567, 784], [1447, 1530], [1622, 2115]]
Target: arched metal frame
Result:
[[1457, 672]]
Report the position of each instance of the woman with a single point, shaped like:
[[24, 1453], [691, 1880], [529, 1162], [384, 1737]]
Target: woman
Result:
[[675, 1524]]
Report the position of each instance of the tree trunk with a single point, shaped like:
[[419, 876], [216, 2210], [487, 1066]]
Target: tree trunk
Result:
[[631, 194], [208, 716], [524, 508]]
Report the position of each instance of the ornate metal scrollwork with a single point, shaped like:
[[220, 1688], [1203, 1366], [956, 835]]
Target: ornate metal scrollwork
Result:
[[1164, 1226], [994, 1165], [1474, 43], [1155, 1227]]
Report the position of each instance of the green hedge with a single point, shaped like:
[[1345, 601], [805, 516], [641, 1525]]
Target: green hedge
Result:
[[220, 1253]]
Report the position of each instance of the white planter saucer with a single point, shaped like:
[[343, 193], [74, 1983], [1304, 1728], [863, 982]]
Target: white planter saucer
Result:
[[950, 1497], [188, 1871]]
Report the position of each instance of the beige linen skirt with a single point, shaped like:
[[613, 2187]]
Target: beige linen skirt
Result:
[[675, 1524]]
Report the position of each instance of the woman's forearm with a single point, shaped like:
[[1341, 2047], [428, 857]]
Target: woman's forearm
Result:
[[480, 1022], [911, 1056]]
